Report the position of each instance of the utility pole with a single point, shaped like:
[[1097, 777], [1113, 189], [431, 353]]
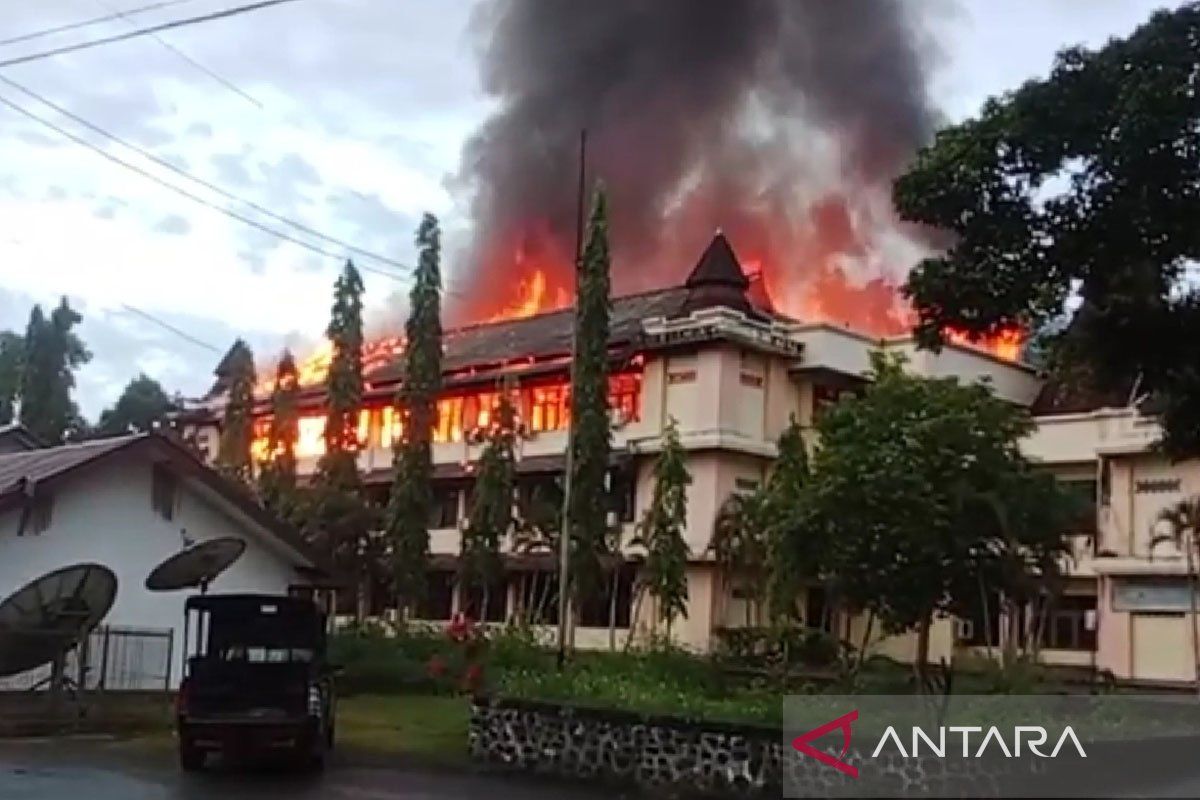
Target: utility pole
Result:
[[564, 536]]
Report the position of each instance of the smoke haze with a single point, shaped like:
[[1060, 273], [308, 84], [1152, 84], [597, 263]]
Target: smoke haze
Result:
[[782, 122]]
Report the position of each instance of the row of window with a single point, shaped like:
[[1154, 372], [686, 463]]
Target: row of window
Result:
[[1070, 623], [530, 597], [539, 408], [536, 496]]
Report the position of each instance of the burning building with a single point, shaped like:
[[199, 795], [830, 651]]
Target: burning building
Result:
[[709, 352], [784, 123]]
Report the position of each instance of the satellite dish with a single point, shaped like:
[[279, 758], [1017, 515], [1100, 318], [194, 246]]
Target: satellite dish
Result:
[[197, 566], [47, 617]]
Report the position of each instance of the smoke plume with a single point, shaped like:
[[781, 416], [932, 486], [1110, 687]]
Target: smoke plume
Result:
[[782, 122]]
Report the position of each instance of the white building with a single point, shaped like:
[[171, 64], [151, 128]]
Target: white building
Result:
[[128, 503]]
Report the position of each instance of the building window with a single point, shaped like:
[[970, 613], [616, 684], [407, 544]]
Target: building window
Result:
[[489, 606], [598, 611], [444, 511], [1084, 495], [449, 420], [978, 632], [439, 596], [1071, 624], [624, 395], [622, 495], [1105, 482], [745, 485], [537, 595], [164, 492], [549, 408], [540, 499]]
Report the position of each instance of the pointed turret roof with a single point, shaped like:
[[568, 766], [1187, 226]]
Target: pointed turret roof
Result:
[[718, 266]]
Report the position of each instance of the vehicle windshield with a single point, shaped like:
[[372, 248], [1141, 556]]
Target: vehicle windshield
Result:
[[265, 654]]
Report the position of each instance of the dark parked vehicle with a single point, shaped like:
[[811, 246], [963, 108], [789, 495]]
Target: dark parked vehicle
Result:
[[256, 680]]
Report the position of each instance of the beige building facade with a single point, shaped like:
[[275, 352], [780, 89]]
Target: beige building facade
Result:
[[731, 373]]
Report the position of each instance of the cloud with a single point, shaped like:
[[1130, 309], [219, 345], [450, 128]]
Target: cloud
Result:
[[230, 169], [173, 224]]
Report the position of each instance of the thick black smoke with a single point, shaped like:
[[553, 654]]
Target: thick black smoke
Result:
[[741, 114]]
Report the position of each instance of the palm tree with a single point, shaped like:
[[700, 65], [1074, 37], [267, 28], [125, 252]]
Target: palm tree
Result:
[[740, 546], [1183, 520]]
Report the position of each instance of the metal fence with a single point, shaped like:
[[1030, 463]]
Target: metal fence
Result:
[[113, 658]]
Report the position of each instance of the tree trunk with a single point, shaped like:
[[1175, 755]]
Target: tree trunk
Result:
[[987, 619], [866, 641], [1012, 633], [634, 615], [612, 611], [921, 661]]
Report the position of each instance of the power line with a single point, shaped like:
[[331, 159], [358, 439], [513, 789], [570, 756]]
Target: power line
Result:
[[185, 193], [25, 37], [200, 181], [228, 84], [169, 327], [166, 26]]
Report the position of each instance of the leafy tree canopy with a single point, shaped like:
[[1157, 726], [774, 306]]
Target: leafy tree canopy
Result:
[[907, 488], [52, 354], [1086, 182], [142, 404]]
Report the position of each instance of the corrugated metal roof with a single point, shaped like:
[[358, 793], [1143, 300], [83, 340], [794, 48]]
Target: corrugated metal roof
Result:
[[37, 465]]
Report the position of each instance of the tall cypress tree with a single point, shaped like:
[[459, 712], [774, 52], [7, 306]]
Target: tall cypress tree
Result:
[[277, 475], [591, 434], [664, 575], [53, 351], [12, 362], [492, 517], [340, 519], [411, 499], [237, 427]]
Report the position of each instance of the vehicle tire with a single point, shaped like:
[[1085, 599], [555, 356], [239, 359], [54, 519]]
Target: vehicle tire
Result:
[[191, 758], [330, 735], [315, 758]]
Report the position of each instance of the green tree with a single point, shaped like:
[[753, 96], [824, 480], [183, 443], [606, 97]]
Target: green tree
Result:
[[491, 518], [237, 425], [410, 502], [141, 406], [339, 519], [277, 473], [53, 352], [892, 494], [12, 363], [794, 549], [1083, 183], [591, 436], [760, 540], [664, 574], [740, 546]]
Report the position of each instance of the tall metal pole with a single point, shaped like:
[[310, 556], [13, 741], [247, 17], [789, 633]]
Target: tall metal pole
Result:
[[564, 537]]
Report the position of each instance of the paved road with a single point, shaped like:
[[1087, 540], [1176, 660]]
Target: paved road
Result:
[[102, 770]]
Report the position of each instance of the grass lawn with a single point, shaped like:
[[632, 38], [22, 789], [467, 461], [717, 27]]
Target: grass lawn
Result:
[[428, 727]]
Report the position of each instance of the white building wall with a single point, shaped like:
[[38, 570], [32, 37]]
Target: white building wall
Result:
[[104, 516]]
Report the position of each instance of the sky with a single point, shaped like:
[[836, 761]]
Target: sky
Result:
[[357, 114]]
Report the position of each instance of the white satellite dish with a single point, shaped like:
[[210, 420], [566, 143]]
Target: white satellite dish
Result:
[[40, 622], [197, 566]]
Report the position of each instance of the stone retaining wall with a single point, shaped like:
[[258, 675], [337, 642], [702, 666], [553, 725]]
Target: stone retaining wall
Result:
[[620, 747], [724, 759]]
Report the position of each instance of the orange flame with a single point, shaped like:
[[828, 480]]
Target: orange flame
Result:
[[1006, 344], [312, 370], [531, 296]]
